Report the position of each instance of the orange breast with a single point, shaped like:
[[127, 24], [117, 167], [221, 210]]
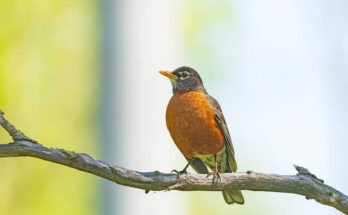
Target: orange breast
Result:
[[190, 121]]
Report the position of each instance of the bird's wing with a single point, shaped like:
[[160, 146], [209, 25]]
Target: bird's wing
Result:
[[220, 120]]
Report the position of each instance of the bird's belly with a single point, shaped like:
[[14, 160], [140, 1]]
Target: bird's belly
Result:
[[220, 160], [191, 123]]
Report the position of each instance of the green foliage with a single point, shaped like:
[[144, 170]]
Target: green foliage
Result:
[[48, 83]]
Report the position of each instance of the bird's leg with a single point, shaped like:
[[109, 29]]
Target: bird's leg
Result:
[[179, 173], [215, 173]]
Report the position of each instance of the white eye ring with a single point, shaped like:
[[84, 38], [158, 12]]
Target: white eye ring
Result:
[[184, 75]]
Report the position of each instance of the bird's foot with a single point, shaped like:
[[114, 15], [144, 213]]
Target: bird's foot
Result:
[[179, 173], [216, 175]]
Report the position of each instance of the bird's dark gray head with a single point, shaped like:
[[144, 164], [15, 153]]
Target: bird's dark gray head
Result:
[[184, 79]]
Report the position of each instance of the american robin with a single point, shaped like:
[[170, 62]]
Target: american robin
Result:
[[198, 128]]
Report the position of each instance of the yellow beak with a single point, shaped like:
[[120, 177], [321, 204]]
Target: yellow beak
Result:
[[168, 74]]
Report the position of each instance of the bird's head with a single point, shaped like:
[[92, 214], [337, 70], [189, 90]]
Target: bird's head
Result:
[[184, 79]]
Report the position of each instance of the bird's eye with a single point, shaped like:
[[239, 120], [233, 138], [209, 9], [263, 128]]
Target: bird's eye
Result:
[[184, 75]]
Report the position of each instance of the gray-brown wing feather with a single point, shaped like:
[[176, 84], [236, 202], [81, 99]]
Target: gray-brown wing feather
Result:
[[230, 196], [220, 120]]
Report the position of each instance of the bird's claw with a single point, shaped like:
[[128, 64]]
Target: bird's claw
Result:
[[216, 176], [179, 173]]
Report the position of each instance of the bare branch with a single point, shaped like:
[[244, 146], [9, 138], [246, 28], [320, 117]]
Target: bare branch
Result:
[[304, 183], [11, 130]]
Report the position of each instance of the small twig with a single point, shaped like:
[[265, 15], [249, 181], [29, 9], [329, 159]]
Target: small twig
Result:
[[11, 130], [304, 183]]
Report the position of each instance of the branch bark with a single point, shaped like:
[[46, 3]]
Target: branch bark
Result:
[[304, 183]]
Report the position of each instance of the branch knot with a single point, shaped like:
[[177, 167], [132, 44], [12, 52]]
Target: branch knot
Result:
[[307, 173]]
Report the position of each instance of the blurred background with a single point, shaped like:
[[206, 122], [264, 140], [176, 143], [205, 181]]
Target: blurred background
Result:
[[83, 75]]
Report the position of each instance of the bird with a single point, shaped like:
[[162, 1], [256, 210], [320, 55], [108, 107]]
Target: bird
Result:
[[198, 128]]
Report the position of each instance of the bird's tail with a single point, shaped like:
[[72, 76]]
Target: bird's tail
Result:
[[233, 196]]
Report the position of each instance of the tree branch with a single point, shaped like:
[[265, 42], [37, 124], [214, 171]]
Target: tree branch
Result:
[[304, 183]]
